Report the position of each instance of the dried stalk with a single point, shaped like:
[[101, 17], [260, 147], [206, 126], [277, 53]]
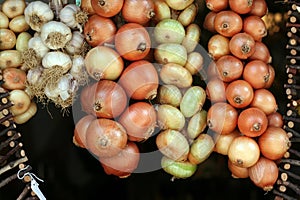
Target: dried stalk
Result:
[[13, 164]]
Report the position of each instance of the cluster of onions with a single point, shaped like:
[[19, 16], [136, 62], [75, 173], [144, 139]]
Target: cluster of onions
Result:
[[54, 59], [14, 37], [130, 98], [244, 112]]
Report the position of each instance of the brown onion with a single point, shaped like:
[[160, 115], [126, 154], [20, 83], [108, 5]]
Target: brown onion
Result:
[[138, 11], [243, 151], [105, 137], [223, 141], [208, 22], [86, 6], [139, 120], [271, 76], [218, 45], [79, 137], [140, 80], [264, 100], [274, 143], [264, 173], [169, 117], [222, 118], [124, 163], [275, 119], [255, 26], [239, 93], [259, 8], [261, 53], [173, 144], [8, 39], [229, 68], [241, 6], [256, 72], [228, 23], [216, 5], [252, 122], [215, 90], [236, 171], [242, 45], [107, 8]]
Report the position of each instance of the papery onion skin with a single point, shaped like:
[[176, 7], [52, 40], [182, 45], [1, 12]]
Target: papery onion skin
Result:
[[139, 120], [107, 8], [255, 26], [222, 117], [261, 53], [264, 173], [259, 8], [14, 78], [256, 72], [215, 90], [169, 94], [87, 7], [27, 115], [275, 119], [243, 151], [223, 142], [208, 22], [274, 143], [124, 163], [271, 78], [218, 45], [216, 5], [169, 117], [20, 100], [173, 144], [242, 45], [138, 11], [252, 122], [229, 68], [79, 137], [228, 23], [140, 80], [178, 169], [236, 171], [241, 6], [8, 39], [105, 137], [264, 100]]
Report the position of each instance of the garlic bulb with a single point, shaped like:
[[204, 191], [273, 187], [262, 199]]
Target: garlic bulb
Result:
[[36, 14], [73, 17], [55, 35], [34, 75], [78, 70], [57, 59], [74, 46], [66, 86], [38, 46]]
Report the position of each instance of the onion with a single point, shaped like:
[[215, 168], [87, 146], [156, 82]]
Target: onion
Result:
[[139, 45], [169, 117], [208, 22], [242, 45], [275, 119], [256, 72], [13, 8], [139, 120], [274, 143], [188, 15], [196, 124], [252, 122], [259, 8], [20, 100], [241, 6], [169, 94], [99, 30], [179, 4], [215, 90], [167, 53], [79, 137], [87, 7], [18, 24], [14, 78], [229, 68], [239, 93], [236, 171], [192, 37], [10, 58], [216, 5], [178, 169], [161, 10], [140, 80], [124, 163], [4, 21], [138, 11], [222, 118], [264, 174], [107, 8], [228, 23], [243, 151], [105, 137], [173, 144], [201, 148], [102, 62], [223, 142], [8, 39], [271, 77], [218, 45], [22, 41], [169, 31], [255, 26], [264, 100], [261, 53], [27, 115]]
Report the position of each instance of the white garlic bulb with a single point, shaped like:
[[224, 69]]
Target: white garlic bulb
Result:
[[78, 70], [57, 59], [74, 46], [38, 46], [34, 75], [55, 35], [37, 13], [72, 16]]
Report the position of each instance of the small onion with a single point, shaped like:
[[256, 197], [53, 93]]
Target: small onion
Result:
[[173, 144], [256, 72], [215, 90], [8, 39], [236, 171], [241, 6], [264, 174], [13, 8], [194, 63], [178, 169], [275, 119], [252, 122], [229, 68], [169, 94], [196, 124], [27, 115], [208, 22], [20, 100], [242, 45], [243, 151], [274, 143], [139, 120], [261, 53], [105, 137], [216, 5], [223, 142], [166, 53], [4, 21], [10, 58], [79, 137], [218, 45], [259, 8], [169, 117], [228, 23], [255, 26], [264, 100], [140, 80]]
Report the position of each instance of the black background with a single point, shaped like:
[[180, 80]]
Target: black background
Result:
[[70, 172]]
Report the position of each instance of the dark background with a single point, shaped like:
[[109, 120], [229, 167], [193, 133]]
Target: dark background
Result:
[[70, 172]]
